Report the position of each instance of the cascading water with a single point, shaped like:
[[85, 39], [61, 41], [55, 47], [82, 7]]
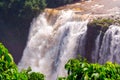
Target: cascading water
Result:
[[49, 47], [54, 40], [110, 48], [95, 52]]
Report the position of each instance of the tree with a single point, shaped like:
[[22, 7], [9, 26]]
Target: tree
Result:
[[21, 8]]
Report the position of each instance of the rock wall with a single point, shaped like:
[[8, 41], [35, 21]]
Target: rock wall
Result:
[[14, 37]]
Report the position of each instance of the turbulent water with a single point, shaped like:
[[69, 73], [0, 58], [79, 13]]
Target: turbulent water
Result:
[[110, 48], [52, 42]]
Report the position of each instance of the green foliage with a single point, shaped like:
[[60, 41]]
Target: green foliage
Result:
[[4, 54], [36, 76], [28, 75], [103, 22], [21, 8], [79, 69], [34, 7], [9, 70]]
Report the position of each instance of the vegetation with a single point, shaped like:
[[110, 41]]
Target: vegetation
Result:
[[21, 12], [101, 23], [56, 3], [80, 69], [21, 8], [9, 70], [27, 8]]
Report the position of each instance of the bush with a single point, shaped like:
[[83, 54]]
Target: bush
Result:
[[79, 69], [36, 76], [9, 70]]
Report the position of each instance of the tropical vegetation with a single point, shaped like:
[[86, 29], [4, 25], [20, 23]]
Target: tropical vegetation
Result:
[[21, 8], [80, 69], [9, 70], [77, 69], [27, 8]]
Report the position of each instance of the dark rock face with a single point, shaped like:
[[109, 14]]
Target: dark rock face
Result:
[[14, 37], [92, 33]]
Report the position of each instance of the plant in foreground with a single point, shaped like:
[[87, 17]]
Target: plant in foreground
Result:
[[79, 69], [9, 70]]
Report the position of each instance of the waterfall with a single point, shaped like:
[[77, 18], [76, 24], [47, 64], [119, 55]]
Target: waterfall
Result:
[[95, 52], [57, 36], [50, 45], [110, 48]]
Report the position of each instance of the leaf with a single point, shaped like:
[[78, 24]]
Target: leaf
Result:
[[8, 57], [95, 75], [86, 77], [85, 69]]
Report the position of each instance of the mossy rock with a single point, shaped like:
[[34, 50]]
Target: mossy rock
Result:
[[100, 23], [103, 23]]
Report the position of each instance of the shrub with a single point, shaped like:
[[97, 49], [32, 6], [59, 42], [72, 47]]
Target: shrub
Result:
[[79, 69], [9, 70], [36, 76]]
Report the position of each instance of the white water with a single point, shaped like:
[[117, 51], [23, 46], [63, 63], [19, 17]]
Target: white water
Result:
[[50, 46], [110, 48], [95, 52]]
